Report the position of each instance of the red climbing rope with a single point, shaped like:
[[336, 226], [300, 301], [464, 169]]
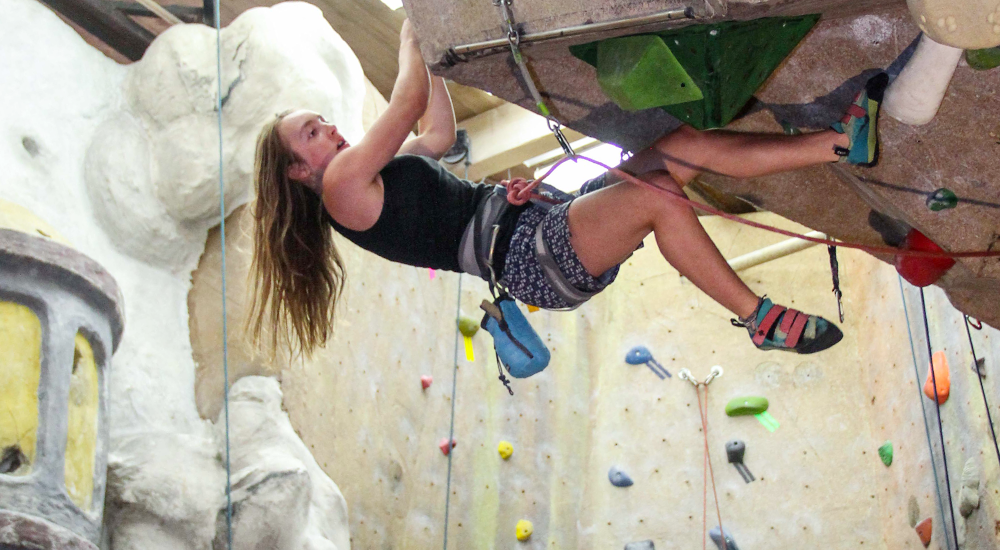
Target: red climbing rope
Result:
[[521, 190], [707, 471]]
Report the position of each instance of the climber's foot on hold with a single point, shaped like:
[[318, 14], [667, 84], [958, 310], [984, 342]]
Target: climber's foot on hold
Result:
[[860, 124], [772, 326]]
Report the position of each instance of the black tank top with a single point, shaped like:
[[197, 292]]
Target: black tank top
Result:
[[424, 214]]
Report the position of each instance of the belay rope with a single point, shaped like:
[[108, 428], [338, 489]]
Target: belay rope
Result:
[[982, 388], [685, 374], [222, 231]]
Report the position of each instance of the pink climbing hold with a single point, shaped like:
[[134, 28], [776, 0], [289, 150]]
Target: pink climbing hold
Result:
[[445, 448], [920, 271], [426, 380]]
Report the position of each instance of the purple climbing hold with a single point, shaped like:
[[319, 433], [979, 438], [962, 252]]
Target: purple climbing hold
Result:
[[618, 477]]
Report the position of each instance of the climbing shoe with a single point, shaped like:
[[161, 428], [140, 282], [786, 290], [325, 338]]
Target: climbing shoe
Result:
[[860, 123], [776, 327]]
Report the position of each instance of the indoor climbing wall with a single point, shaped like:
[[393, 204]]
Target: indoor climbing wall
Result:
[[590, 417], [955, 151]]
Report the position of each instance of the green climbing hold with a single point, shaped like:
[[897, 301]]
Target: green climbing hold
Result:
[[640, 72], [983, 60], [468, 326], [942, 199], [885, 453], [746, 406], [727, 61]]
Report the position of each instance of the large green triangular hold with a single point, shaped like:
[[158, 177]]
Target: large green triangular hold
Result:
[[728, 61]]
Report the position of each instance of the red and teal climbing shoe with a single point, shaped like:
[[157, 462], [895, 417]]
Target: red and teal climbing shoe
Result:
[[860, 123], [776, 327]]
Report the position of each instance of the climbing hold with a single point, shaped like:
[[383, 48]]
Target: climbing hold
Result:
[[524, 530], [924, 531], [913, 511], [426, 381], [942, 199], [468, 326], [919, 271], [979, 367], [728, 61], [939, 366], [985, 59], [716, 535], [505, 449], [734, 452], [970, 489], [885, 453], [445, 448], [641, 355], [640, 72], [618, 477], [640, 545], [746, 406]]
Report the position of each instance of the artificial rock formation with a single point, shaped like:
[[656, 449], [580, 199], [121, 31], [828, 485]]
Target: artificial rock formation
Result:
[[123, 160]]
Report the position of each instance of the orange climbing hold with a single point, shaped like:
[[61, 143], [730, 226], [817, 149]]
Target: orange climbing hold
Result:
[[924, 532], [939, 364]]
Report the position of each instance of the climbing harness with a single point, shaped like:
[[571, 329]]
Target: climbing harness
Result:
[[982, 387], [835, 271], [685, 374], [937, 405], [514, 40]]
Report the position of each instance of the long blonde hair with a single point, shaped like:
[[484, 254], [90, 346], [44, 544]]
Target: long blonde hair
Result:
[[297, 272]]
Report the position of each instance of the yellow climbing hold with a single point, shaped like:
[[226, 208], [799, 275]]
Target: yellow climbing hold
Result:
[[524, 530], [505, 449]]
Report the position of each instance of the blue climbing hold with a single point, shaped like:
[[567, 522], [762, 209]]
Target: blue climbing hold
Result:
[[619, 478], [716, 535], [638, 355]]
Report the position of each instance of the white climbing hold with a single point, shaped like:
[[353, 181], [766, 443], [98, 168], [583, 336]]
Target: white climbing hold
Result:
[[916, 94], [970, 489], [961, 24]]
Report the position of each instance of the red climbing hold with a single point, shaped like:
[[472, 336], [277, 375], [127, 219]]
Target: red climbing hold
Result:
[[924, 532], [920, 271], [445, 448], [426, 380]]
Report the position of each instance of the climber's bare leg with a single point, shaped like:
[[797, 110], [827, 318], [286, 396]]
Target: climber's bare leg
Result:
[[687, 152], [607, 225]]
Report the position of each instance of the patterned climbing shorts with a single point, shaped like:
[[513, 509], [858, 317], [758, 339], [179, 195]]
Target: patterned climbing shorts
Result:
[[523, 275]]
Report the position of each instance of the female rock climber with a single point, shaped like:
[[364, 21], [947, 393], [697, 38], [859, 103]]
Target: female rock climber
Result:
[[393, 198]]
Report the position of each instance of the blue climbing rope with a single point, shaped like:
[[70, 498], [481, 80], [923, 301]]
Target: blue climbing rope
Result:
[[927, 429], [451, 430], [222, 230], [982, 388], [937, 405]]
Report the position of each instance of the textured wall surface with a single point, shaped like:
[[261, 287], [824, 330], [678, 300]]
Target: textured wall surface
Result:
[[360, 408], [810, 90]]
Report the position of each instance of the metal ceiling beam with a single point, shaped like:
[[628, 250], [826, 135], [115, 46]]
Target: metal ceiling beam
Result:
[[101, 19]]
